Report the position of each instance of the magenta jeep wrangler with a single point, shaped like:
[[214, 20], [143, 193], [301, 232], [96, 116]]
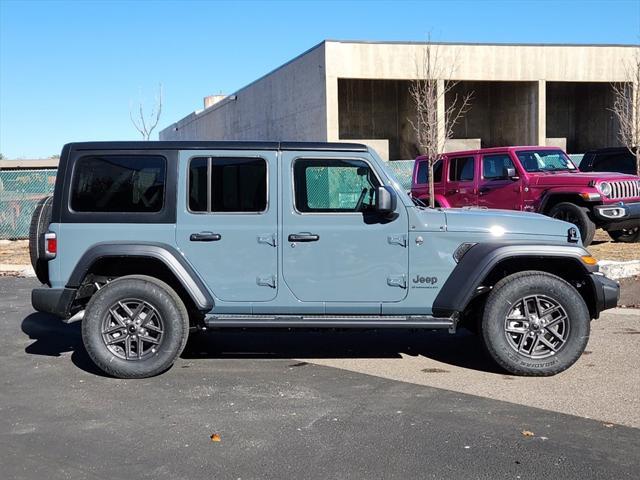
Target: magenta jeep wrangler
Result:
[[535, 179]]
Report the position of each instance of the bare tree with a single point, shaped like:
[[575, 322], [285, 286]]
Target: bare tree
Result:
[[626, 108], [433, 82], [146, 125]]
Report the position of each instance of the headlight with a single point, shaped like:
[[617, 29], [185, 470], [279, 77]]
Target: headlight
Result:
[[604, 188]]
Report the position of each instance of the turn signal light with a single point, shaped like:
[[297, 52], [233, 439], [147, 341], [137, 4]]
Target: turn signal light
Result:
[[589, 260]]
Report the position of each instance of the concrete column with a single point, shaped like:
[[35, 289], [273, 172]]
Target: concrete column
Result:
[[541, 131], [441, 116], [331, 89]]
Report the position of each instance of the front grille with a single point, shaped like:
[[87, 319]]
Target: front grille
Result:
[[625, 189]]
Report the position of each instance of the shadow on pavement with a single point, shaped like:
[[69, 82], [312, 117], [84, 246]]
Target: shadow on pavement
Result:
[[462, 349], [53, 338]]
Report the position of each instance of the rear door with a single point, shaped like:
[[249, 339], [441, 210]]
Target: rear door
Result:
[[461, 188], [227, 221], [495, 188]]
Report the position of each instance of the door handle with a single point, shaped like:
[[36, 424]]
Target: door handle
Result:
[[205, 237], [304, 237], [453, 192], [484, 190]]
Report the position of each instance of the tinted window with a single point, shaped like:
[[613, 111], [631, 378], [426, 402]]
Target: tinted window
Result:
[[119, 183], [423, 172], [334, 185], [235, 185], [615, 163], [461, 169], [495, 166]]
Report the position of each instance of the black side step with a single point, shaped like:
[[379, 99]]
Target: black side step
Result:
[[330, 321]]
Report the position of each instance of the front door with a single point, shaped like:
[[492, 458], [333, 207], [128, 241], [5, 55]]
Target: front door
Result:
[[335, 247], [461, 189], [496, 189], [227, 221]]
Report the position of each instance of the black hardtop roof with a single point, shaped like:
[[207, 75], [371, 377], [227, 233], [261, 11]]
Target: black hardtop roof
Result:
[[218, 145]]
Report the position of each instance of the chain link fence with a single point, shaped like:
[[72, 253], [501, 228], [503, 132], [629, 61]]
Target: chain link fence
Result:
[[20, 191]]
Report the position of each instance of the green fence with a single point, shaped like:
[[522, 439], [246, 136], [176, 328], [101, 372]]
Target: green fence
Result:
[[20, 190]]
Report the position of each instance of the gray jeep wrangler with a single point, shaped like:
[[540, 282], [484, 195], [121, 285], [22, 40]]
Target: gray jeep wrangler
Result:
[[145, 242]]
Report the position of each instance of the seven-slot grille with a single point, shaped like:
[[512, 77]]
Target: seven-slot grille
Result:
[[625, 189]]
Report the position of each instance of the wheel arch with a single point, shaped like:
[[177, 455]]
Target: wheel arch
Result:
[[485, 264], [115, 259], [551, 199]]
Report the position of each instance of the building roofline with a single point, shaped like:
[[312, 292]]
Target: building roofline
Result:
[[193, 115], [480, 44]]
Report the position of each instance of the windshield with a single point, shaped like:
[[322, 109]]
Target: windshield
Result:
[[545, 160]]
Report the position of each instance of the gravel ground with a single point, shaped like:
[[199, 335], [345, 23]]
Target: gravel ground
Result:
[[15, 252]]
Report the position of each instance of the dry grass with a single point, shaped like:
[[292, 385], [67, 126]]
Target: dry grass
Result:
[[604, 249], [14, 252]]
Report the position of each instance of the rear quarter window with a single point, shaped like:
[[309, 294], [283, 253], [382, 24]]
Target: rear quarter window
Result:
[[119, 183], [422, 176]]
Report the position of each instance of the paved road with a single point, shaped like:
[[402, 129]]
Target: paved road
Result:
[[277, 417]]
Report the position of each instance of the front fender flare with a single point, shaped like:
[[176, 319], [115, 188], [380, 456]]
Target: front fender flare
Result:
[[460, 288]]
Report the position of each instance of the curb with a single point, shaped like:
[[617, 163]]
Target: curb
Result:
[[617, 270]]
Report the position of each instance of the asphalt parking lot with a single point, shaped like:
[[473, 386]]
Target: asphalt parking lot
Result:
[[280, 414]]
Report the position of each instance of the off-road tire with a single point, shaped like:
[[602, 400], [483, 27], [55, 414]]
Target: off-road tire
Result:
[[40, 220], [168, 305], [510, 290], [626, 236], [579, 216]]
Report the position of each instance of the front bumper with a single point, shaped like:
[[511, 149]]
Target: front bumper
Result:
[[607, 292], [56, 301], [618, 216]]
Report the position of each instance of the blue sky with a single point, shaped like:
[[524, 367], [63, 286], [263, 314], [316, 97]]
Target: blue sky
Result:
[[69, 70]]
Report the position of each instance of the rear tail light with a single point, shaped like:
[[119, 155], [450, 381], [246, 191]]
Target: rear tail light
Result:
[[50, 245]]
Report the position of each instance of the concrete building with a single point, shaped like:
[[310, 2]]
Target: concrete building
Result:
[[359, 91]]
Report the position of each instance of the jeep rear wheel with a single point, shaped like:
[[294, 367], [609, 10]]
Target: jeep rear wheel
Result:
[[579, 216], [135, 327], [535, 324], [631, 235]]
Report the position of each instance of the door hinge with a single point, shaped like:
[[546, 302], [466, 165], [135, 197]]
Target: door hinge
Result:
[[268, 239], [266, 281], [398, 240], [397, 281]]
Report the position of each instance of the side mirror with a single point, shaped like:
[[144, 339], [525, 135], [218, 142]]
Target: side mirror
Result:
[[510, 173], [386, 200]]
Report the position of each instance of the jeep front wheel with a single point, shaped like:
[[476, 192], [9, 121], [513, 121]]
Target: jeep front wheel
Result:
[[631, 235], [535, 324], [579, 216], [135, 327]]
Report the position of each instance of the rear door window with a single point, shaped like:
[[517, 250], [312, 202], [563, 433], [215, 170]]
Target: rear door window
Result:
[[461, 169], [227, 185], [119, 183]]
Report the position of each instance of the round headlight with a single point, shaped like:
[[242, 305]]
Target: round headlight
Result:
[[604, 188]]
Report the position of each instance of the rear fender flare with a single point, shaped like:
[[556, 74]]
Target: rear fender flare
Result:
[[166, 254]]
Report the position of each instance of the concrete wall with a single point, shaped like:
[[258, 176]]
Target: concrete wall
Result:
[[377, 109], [580, 113], [500, 113], [287, 104]]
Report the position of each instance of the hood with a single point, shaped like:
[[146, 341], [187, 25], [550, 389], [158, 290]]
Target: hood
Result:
[[498, 223], [549, 179]]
